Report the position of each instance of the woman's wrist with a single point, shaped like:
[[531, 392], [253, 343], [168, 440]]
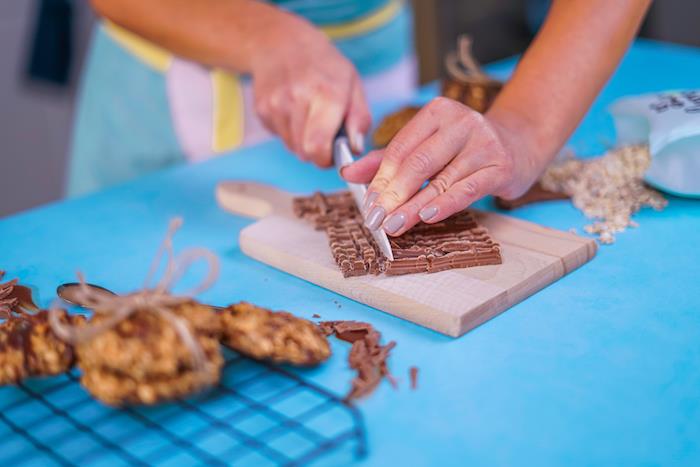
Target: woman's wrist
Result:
[[256, 33], [277, 32], [520, 135]]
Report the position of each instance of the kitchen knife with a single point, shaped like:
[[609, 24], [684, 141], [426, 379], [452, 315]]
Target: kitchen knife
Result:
[[342, 156]]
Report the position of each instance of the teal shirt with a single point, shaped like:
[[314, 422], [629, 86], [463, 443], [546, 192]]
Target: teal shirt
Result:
[[372, 52], [324, 12]]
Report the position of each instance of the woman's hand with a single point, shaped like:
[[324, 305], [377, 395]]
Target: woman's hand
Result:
[[465, 156], [304, 88]]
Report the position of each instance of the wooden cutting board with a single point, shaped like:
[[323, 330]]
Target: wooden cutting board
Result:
[[451, 302]]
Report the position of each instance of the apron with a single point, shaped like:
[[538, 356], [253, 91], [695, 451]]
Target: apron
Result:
[[142, 109]]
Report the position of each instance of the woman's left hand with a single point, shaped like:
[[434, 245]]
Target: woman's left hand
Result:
[[465, 156]]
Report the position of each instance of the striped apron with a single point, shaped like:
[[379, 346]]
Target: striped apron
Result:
[[141, 108]]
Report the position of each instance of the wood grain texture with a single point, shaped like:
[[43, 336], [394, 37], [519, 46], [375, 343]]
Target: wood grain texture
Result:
[[451, 302]]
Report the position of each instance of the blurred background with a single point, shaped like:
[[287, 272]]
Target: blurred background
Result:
[[42, 59]]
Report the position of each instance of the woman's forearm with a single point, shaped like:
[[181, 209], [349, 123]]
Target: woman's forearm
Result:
[[573, 55], [220, 33]]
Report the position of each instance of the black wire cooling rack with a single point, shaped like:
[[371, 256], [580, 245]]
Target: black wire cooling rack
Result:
[[258, 414]]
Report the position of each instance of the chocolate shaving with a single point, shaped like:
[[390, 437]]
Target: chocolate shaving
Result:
[[536, 194], [367, 356], [7, 299], [413, 374], [315, 316], [457, 242]]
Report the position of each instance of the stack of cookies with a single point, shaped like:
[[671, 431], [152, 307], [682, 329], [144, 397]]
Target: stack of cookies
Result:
[[143, 359]]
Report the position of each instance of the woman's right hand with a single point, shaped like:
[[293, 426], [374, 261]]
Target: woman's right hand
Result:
[[304, 88]]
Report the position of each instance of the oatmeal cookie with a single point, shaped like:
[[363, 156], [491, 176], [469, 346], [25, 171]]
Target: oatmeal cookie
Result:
[[145, 345], [119, 389], [279, 337], [29, 347]]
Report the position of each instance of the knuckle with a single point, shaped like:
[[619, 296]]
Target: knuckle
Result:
[[380, 182], [299, 91], [506, 170], [475, 117], [394, 150], [419, 162], [392, 196], [470, 189], [470, 118], [440, 184], [440, 103], [325, 90], [453, 201], [443, 181]]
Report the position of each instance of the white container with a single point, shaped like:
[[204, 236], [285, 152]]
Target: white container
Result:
[[669, 122]]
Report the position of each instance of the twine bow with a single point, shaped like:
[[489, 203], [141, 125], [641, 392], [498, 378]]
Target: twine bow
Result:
[[461, 65], [156, 300]]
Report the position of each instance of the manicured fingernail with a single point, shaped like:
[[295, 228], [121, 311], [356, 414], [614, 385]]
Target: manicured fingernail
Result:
[[394, 223], [428, 213], [370, 198], [375, 218], [358, 142]]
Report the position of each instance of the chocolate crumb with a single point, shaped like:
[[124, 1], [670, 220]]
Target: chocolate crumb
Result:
[[315, 315], [413, 373], [8, 301], [367, 356]]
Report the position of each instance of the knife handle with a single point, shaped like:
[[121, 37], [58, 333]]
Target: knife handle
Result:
[[342, 155], [342, 132]]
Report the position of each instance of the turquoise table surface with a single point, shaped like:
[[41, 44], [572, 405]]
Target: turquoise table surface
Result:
[[602, 367]]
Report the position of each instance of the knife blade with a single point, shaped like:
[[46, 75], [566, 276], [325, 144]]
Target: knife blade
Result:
[[342, 156]]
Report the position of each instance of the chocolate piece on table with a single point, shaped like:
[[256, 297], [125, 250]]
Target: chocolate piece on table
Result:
[[413, 375], [537, 193], [8, 301], [276, 336], [391, 124], [456, 242], [367, 356], [28, 347]]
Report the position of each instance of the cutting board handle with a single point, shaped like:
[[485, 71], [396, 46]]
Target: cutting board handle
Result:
[[252, 199]]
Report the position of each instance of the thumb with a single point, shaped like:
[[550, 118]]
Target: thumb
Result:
[[358, 119], [363, 170]]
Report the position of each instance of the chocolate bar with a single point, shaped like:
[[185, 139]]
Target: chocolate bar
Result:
[[457, 242]]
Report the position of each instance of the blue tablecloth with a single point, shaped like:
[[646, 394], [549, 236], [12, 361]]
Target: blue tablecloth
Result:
[[601, 367]]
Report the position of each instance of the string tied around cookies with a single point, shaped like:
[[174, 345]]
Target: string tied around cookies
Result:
[[461, 64], [157, 299]]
